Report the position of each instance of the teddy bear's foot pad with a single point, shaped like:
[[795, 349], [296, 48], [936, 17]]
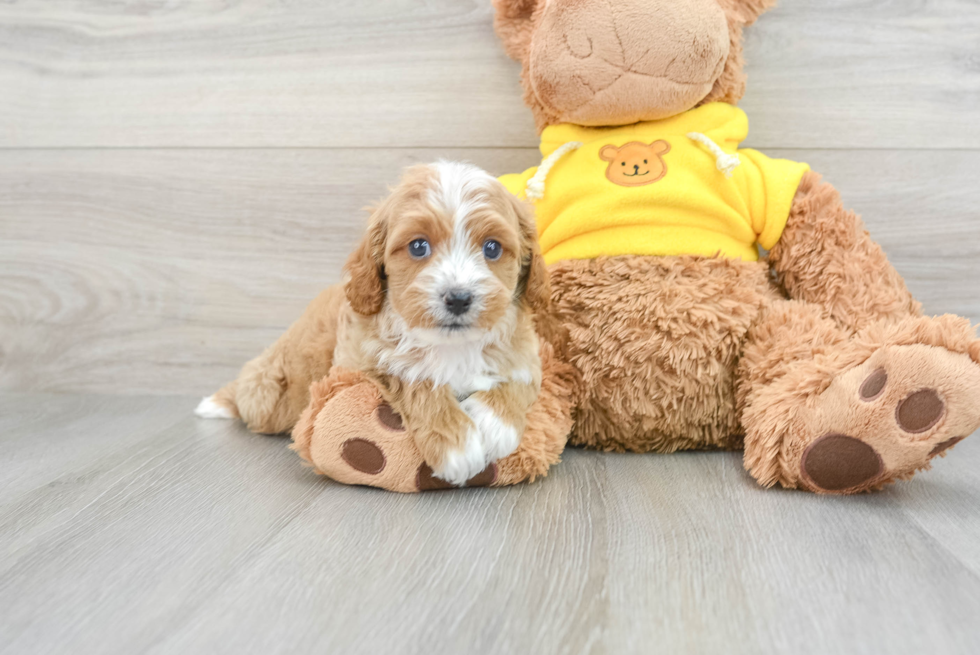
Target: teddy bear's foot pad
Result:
[[426, 481], [359, 439], [839, 463], [886, 418]]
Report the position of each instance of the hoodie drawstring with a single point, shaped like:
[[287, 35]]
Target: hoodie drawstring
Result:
[[726, 163], [535, 186]]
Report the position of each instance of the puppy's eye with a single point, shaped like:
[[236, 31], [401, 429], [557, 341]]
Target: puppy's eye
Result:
[[492, 250], [419, 249], [644, 161], [623, 164]]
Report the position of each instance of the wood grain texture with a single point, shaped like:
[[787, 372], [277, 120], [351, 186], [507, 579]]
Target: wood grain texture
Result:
[[162, 271], [884, 74], [143, 530]]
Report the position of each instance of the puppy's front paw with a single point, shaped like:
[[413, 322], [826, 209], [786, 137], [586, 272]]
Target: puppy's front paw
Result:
[[458, 466], [499, 438]]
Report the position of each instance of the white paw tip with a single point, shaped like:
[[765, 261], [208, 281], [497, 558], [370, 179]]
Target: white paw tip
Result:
[[208, 408], [458, 466], [498, 438]]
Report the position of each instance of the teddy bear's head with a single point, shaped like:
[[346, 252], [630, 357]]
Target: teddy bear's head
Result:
[[602, 62]]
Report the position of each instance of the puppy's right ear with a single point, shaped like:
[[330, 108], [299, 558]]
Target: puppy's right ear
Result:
[[533, 284], [365, 283], [513, 24]]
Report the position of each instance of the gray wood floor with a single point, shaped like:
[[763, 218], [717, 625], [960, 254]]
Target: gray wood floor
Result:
[[177, 180], [127, 526]]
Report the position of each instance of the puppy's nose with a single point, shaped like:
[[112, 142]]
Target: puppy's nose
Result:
[[636, 168], [458, 302]]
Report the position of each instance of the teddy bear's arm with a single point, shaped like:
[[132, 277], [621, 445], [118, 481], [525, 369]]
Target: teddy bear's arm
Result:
[[825, 256]]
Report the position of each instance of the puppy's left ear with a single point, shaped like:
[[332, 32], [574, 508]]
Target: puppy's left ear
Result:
[[365, 283], [533, 285]]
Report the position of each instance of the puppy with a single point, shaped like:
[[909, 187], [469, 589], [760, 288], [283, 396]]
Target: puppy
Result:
[[437, 308]]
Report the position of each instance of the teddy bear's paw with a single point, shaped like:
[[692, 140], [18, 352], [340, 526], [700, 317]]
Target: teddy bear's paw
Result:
[[886, 418], [359, 439]]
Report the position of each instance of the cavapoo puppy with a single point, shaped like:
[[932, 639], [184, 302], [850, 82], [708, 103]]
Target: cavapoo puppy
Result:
[[437, 308]]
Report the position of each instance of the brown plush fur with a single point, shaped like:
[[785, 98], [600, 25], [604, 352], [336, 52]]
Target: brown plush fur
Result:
[[826, 257], [657, 341], [697, 352]]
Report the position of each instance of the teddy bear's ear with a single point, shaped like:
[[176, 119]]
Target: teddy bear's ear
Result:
[[364, 285], [513, 25], [608, 153], [730, 86], [746, 11], [660, 147]]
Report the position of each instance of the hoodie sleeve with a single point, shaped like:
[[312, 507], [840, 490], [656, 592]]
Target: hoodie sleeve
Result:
[[770, 189]]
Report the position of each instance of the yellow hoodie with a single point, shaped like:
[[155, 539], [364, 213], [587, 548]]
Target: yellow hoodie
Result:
[[668, 187]]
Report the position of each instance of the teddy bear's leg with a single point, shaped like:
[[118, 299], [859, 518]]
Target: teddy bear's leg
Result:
[[834, 412], [657, 340], [350, 434], [825, 256]]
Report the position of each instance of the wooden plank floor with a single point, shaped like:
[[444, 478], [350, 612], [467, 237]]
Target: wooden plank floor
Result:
[[177, 180], [127, 526]]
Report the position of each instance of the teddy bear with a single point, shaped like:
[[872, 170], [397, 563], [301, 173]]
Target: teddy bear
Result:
[[669, 330]]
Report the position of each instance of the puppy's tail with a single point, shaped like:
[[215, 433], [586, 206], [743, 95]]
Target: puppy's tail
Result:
[[221, 404]]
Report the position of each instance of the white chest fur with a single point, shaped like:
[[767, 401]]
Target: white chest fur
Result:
[[463, 366], [464, 362]]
